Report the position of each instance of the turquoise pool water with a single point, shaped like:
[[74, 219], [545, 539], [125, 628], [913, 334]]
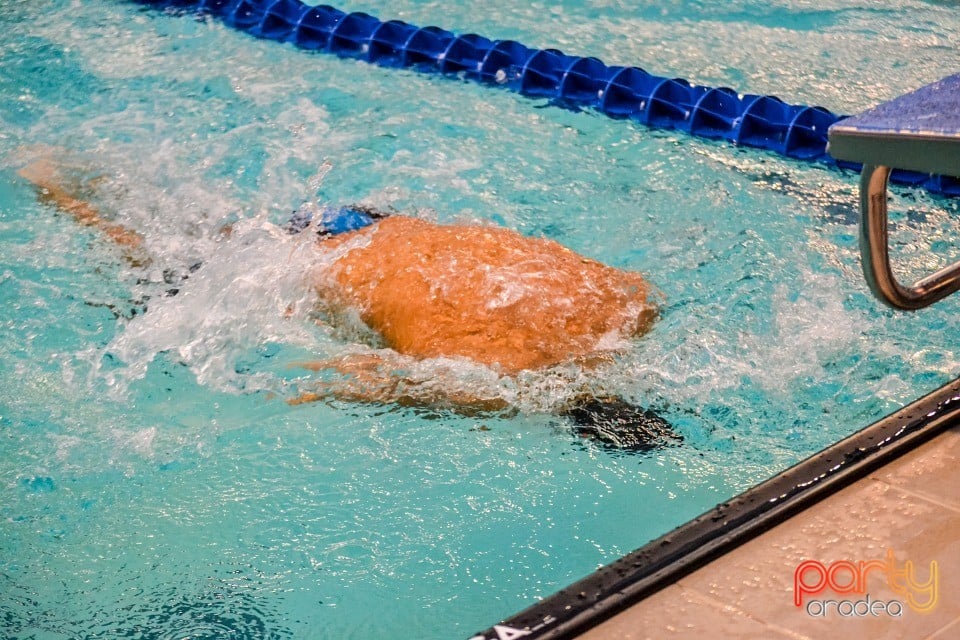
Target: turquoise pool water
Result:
[[153, 482]]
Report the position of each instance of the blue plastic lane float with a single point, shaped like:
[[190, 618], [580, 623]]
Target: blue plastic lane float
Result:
[[763, 122]]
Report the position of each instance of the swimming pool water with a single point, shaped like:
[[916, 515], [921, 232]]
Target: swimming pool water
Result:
[[155, 484]]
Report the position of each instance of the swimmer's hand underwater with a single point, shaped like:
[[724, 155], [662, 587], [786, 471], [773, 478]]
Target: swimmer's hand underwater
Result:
[[54, 189], [481, 293]]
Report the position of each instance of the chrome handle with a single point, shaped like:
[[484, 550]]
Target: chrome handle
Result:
[[874, 251]]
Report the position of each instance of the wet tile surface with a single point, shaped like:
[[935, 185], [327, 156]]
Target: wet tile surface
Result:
[[680, 612], [933, 471], [910, 508]]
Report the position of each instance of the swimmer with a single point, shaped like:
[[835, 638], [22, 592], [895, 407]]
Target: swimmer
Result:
[[481, 293]]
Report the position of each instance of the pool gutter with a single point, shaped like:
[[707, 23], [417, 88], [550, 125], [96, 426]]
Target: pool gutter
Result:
[[662, 562]]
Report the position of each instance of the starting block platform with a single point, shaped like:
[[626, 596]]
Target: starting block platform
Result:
[[920, 132]]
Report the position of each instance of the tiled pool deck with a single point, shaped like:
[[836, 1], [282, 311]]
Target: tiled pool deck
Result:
[[911, 506]]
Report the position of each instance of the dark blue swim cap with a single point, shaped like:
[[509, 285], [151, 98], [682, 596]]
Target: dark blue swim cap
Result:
[[342, 220], [333, 220]]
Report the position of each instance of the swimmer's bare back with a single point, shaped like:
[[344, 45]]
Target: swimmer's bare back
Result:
[[485, 293]]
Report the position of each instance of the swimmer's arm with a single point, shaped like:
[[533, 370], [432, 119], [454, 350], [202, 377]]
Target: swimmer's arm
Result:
[[370, 379], [51, 189]]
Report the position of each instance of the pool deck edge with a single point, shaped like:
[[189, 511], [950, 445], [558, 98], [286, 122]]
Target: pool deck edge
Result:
[[910, 506], [666, 560]]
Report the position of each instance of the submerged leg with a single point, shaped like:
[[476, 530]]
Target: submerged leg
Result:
[[371, 378], [620, 425]]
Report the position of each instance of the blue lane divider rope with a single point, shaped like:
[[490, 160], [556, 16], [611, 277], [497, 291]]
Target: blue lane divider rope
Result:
[[764, 122]]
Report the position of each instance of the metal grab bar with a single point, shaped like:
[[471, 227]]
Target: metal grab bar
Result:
[[874, 251]]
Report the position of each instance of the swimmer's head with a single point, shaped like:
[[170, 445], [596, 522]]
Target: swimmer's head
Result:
[[334, 220]]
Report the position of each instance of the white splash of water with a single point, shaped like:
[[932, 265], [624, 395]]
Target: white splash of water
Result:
[[254, 289], [810, 328]]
